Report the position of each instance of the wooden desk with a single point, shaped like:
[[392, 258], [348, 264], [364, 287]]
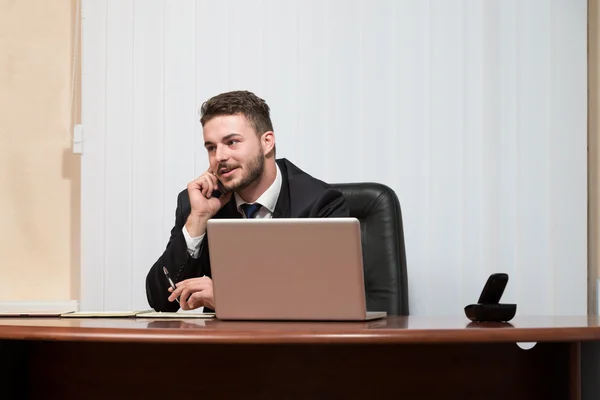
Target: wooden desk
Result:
[[397, 357]]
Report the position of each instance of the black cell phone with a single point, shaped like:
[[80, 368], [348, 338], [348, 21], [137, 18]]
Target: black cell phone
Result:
[[489, 308], [220, 191], [494, 289]]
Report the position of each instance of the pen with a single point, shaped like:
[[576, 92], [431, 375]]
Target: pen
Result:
[[170, 280]]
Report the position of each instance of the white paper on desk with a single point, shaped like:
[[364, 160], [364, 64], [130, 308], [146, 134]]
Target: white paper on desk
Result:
[[176, 315], [102, 314], [31, 313]]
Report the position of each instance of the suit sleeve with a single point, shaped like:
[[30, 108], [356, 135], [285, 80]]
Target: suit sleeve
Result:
[[179, 263], [331, 204]]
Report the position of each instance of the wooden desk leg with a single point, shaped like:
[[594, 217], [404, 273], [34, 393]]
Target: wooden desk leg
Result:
[[575, 371], [14, 374], [590, 370]]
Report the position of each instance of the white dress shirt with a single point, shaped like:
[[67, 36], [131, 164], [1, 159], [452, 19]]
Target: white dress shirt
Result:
[[267, 200]]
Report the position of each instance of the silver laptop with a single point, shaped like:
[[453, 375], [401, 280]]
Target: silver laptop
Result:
[[288, 269]]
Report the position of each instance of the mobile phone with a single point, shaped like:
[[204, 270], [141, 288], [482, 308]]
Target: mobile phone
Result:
[[494, 289], [220, 191], [488, 307]]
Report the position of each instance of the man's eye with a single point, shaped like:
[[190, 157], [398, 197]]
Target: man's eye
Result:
[[232, 142], [210, 148]]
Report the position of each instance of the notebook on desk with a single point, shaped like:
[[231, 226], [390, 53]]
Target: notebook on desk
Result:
[[135, 314], [102, 314], [288, 269], [24, 312], [32, 313], [175, 315]]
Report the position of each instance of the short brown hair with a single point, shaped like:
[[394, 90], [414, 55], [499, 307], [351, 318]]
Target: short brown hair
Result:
[[242, 102]]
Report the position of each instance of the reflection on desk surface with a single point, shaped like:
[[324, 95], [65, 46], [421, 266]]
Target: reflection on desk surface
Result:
[[412, 329], [205, 324], [391, 322]]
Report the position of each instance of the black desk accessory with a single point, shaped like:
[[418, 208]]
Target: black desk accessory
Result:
[[489, 308]]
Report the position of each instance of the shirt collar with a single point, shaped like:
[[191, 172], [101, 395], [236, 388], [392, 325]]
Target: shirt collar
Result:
[[269, 198]]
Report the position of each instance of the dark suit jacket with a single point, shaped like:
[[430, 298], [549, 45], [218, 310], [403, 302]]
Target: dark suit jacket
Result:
[[301, 196]]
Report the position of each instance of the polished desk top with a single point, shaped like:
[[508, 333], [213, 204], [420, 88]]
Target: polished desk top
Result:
[[412, 329]]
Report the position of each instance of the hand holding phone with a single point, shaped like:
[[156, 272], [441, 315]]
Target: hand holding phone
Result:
[[207, 196], [220, 191]]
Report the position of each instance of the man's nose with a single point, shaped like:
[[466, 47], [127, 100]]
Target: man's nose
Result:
[[221, 153]]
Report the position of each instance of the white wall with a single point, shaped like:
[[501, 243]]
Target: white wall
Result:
[[474, 112]]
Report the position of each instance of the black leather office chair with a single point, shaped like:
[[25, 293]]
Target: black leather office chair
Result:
[[377, 208]]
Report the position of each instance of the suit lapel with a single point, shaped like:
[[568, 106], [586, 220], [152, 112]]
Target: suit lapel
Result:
[[230, 209], [283, 206]]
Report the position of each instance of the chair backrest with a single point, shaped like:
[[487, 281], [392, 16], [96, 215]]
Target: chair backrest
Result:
[[377, 208]]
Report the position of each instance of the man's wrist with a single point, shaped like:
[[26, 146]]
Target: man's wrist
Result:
[[196, 225], [193, 243]]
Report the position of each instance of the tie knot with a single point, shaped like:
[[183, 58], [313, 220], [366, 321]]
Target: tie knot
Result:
[[250, 209]]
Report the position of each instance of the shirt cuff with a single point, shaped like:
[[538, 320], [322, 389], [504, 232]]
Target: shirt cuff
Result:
[[193, 244]]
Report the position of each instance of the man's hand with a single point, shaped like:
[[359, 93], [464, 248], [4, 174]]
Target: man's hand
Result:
[[194, 293], [204, 207]]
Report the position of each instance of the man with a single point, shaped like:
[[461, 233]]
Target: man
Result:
[[239, 139]]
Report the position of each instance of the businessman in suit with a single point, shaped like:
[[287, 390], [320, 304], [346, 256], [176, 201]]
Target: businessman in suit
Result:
[[240, 142]]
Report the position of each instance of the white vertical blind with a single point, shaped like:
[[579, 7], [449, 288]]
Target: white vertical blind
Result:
[[473, 111]]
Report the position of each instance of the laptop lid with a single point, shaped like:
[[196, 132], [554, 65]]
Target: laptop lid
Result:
[[287, 268]]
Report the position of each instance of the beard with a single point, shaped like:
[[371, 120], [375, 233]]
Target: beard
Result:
[[254, 170]]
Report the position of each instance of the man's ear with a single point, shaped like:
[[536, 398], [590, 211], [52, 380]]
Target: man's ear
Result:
[[267, 141]]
